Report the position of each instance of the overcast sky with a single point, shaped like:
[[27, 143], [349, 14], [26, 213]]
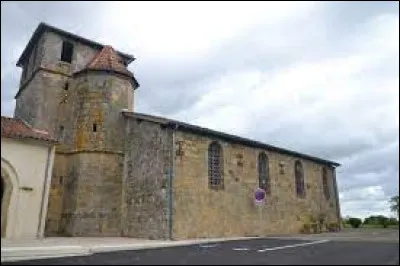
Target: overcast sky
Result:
[[321, 78]]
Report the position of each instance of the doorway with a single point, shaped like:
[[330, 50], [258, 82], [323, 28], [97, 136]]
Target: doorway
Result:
[[6, 189]]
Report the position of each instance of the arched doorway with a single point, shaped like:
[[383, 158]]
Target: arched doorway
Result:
[[6, 199], [2, 190]]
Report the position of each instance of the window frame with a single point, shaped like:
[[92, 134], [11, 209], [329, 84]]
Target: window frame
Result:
[[263, 172], [64, 49], [299, 179], [325, 184], [215, 176]]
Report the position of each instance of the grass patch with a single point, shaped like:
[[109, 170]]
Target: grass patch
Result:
[[372, 226]]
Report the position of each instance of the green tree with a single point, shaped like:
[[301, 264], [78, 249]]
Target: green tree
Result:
[[394, 205], [355, 222]]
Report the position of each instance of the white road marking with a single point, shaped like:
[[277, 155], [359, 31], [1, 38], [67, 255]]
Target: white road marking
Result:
[[293, 246], [239, 249]]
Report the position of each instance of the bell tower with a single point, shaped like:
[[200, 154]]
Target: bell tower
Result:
[[48, 62]]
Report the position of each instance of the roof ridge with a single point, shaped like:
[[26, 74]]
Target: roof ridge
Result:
[[23, 121], [42, 27], [18, 119], [221, 134], [14, 127], [109, 60], [93, 59]]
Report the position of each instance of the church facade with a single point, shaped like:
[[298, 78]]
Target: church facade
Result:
[[122, 173]]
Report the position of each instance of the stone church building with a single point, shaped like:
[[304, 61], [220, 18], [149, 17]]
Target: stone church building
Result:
[[122, 173]]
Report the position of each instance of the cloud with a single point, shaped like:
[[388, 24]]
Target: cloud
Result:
[[366, 201], [316, 77]]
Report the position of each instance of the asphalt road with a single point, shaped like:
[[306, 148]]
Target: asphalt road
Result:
[[245, 252]]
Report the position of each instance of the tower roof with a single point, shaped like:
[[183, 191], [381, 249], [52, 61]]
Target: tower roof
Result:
[[107, 59], [43, 27]]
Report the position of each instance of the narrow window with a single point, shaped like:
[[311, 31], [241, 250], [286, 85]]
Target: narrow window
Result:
[[67, 51], [66, 86], [299, 179], [263, 172], [215, 179], [325, 184], [94, 127], [61, 133]]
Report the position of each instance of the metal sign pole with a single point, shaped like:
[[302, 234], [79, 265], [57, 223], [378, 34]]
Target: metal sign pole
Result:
[[260, 217], [259, 199]]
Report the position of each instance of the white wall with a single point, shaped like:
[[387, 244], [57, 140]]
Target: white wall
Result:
[[25, 162]]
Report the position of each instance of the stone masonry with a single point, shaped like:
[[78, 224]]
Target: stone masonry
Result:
[[147, 164], [202, 212], [121, 173]]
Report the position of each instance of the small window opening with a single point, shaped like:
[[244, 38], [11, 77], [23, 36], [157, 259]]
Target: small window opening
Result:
[[67, 51], [94, 127], [66, 86], [61, 132]]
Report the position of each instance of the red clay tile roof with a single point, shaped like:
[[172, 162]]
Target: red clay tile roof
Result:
[[16, 128], [108, 59]]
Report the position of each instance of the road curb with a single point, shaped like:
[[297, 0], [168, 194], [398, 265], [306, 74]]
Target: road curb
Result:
[[44, 252]]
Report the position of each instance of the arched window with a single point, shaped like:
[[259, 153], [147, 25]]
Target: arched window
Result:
[[263, 172], [215, 178], [325, 184], [299, 179]]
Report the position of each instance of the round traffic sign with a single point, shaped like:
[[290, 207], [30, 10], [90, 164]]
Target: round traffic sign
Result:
[[259, 195]]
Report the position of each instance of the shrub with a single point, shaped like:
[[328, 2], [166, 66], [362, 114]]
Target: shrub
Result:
[[393, 221], [355, 222], [380, 220]]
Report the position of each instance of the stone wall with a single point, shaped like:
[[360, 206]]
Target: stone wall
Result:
[[33, 61], [46, 74], [42, 89], [89, 157], [202, 212], [147, 163], [82, 54], [84, 201], [60, 177], [39, 101], [100, 99], [93, 199]]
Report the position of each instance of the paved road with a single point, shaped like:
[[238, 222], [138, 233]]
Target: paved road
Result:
[[245, 252]]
